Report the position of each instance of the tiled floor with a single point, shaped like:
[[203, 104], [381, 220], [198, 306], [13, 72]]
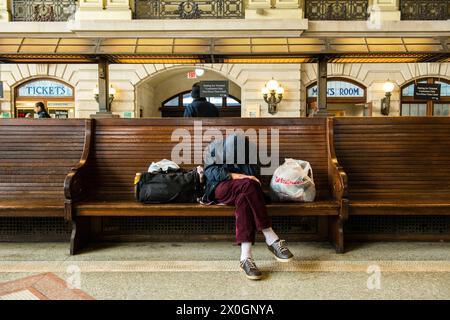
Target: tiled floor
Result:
[[210, 270], [46, 286]]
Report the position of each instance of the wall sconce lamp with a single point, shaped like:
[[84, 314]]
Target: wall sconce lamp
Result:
[[112, 92], [272, 94], [199, 72], [388, 87]]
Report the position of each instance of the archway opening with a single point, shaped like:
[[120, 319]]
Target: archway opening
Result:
[[412, 106], [166, 94], [345, 97], [58, 97]]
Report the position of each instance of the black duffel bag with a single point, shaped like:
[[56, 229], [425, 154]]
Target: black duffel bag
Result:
[[168, 187]]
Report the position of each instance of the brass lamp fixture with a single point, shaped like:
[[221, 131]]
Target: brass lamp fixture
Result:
[[112, 92], [272, 94], [388, 87]]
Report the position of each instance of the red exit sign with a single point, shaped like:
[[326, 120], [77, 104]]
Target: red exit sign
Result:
[[191, 75]]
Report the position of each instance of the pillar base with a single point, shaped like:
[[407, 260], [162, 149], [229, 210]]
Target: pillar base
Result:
[[104, 114], [103, 14], [385, 15], [4, 16], [323, 114], [264, 13]]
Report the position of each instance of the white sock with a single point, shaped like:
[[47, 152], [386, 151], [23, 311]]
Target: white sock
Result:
[[246, 250], [270, 235]]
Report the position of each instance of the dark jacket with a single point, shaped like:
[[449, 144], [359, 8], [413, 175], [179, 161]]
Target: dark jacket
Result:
[[201, 108], [218, 169], [43, 114]]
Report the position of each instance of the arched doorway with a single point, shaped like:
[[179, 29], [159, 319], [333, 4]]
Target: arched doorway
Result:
[[166, 93], [412, 107], [345, 97], [57, 96], [174, 106]]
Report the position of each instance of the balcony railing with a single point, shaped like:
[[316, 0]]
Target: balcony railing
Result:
[[63, 10], [425, 9], [198, 9], [336, 9], [43, 10]]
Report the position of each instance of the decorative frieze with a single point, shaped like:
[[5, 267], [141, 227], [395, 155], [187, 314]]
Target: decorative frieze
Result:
[[42, 10], [189, 9]]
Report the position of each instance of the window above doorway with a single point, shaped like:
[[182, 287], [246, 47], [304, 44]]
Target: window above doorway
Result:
[[412, 107], [184, 99], [174, 106]]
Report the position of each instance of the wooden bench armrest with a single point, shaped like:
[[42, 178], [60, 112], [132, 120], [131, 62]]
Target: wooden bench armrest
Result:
[[74, 187], [337, 178]]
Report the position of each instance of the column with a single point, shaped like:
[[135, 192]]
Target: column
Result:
[[384, 10], [103, 10], [322, 74], [103, 85], [259, 4], [89, 10], [118, 9], [103, 91], [287, 4], [4, 13]]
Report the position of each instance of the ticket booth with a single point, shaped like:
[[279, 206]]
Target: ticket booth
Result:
[[57, 96], [345, 98]]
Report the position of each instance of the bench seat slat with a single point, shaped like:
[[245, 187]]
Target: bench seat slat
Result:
[[32, 208], [134, 208], [405, 207]]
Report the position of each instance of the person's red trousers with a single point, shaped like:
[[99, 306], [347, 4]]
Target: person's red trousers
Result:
[[251, 213]]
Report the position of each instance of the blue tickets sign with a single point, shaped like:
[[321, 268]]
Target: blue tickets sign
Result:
[[45, 88]]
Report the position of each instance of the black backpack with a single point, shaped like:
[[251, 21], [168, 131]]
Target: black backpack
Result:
[[168, 187]]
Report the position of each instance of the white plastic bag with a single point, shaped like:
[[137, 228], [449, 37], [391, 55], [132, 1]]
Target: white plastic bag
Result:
[[294, 181], [162, 165]]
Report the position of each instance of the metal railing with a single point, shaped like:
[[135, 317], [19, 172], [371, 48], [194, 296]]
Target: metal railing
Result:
[[336, 9], [425, 9], [63, 10], [43, 10], [189, 9]]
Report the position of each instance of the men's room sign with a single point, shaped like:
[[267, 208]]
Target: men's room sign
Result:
[[339, 89]]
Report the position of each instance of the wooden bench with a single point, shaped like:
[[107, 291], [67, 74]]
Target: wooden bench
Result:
[[395, 166], [103, 185], [35, 157]]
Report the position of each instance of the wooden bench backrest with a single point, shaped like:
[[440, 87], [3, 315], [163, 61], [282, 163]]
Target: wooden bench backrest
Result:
[[395, 158], [123, 147], [36, 155]]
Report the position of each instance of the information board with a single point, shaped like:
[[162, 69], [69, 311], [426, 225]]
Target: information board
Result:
[[213, 89], [427, 91]]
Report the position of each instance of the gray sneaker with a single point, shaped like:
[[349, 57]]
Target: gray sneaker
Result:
[[251, 270], [280, 250]]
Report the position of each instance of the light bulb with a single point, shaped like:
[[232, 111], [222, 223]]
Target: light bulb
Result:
[[280, 90], [199, 72], [272, 85], [112, 90], [265, 90], [388, 87]]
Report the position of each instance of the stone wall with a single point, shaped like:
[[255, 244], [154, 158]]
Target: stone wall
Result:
[[136, 89]]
